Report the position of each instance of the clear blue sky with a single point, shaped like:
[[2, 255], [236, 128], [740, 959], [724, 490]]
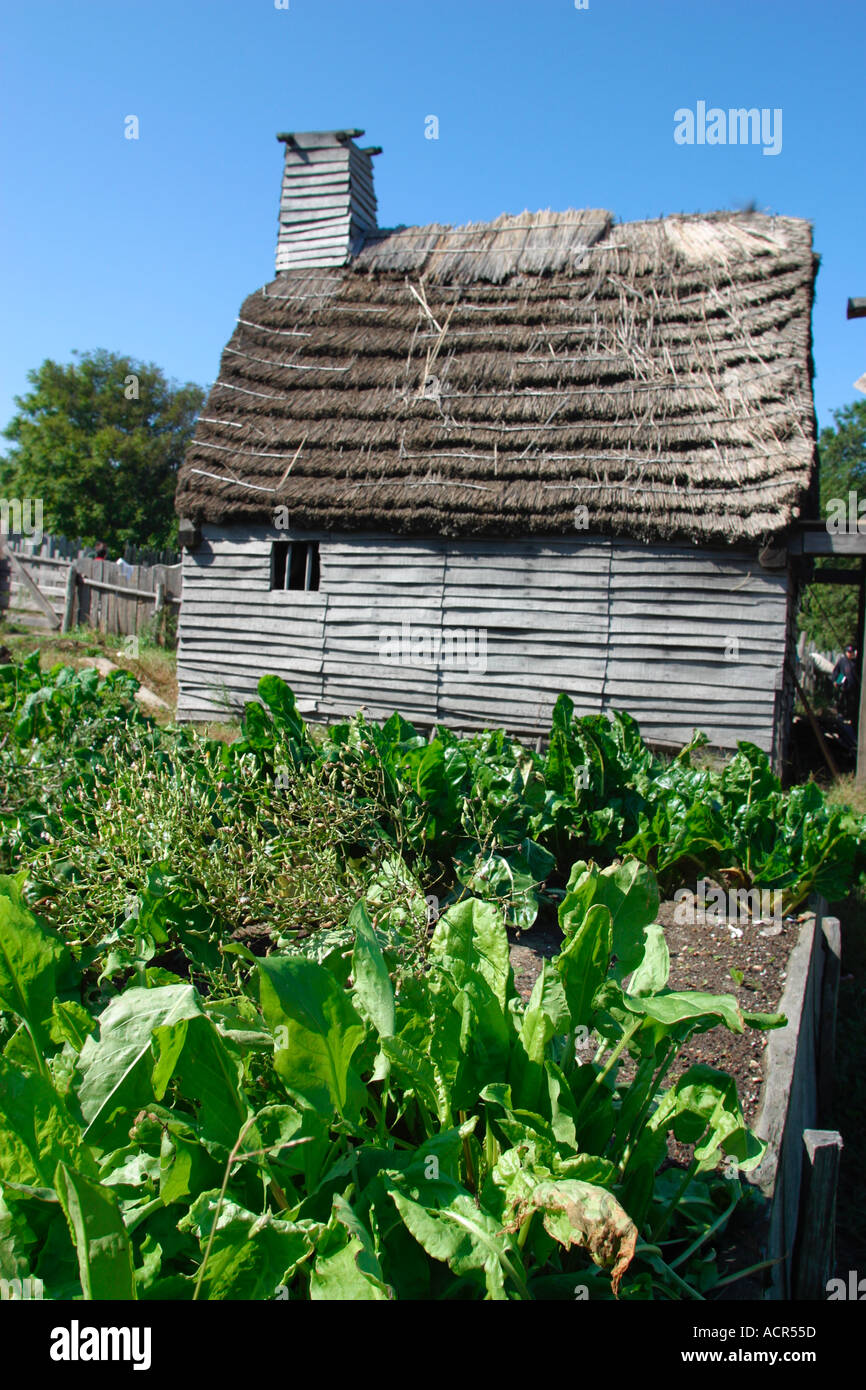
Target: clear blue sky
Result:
[[148, 247]]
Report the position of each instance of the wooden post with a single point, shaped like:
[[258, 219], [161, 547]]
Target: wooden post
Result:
[[159, 612], [69, 600], [832, 931], [814, 1253], [861, 721]]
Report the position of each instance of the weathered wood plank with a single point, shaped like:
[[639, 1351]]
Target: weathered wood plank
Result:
[[692, 627], [380, 574], [283, 599], [259, 659]]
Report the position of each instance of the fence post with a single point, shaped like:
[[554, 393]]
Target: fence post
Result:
[[159, 612], [814, 1253], [832, 947], [69, 600]]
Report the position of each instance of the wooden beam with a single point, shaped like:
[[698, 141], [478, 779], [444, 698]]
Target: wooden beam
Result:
[[69, 599], [837, 576], [834, 543], [814, 1252], [126, 590], [34, 589]]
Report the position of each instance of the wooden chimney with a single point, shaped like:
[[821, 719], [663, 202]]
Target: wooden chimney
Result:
[[327, 205]]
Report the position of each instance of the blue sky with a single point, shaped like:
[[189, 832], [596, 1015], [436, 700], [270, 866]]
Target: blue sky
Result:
[[148, 246]]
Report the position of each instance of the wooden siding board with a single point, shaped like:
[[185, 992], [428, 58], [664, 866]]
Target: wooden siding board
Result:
[[547, 609]]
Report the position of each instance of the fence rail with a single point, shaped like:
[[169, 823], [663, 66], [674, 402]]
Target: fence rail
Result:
[[55, 586]]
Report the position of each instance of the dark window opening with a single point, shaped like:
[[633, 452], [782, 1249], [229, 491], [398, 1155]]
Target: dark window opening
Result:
[[279, 556], [295, 565]]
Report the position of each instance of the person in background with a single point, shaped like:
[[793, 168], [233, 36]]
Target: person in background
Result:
[[101, 552], [846, 681]]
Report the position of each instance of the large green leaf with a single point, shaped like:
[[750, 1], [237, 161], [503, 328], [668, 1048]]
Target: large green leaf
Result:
[[280, 700], [35, 963], [250, 1253], [101, 1242], [116, 1067], [690, 1007], [653, 971], [317, 1031], [17, 1240], [71, 1023], [630, 892], [207, 1071], [340, 1275], [510, 878], [463, 1236], [37, 1130], [347, 1266], [546, 1015], [416, 1072], [372, 983], [703, 1109], [584, 959], [469, 939]]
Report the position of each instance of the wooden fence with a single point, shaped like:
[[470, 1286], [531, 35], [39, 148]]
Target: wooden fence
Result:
[[53, 587]]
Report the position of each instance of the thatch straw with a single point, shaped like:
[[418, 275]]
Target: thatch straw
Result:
[[490, 379]]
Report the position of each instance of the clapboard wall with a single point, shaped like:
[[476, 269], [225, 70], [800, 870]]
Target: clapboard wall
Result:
[[681, 637]]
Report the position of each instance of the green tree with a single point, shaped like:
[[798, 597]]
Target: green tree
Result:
[[828, 613], [99, 440]]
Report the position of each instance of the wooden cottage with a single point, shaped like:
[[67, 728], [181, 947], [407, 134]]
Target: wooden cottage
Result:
[[454, 471]]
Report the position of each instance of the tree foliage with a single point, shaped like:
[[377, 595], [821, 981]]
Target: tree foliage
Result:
[[828, 613], [100, 440]]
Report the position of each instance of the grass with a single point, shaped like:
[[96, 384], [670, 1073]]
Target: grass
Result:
[[847, 791]]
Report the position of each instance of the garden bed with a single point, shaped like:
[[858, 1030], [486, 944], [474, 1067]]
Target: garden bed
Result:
[[702, 958], [782, 1077], [162, 867]]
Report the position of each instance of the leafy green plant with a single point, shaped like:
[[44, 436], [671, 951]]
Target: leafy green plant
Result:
[[340, 1130], [366, 1110]]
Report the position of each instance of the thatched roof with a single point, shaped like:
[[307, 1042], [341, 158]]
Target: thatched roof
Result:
[[491, 379]]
